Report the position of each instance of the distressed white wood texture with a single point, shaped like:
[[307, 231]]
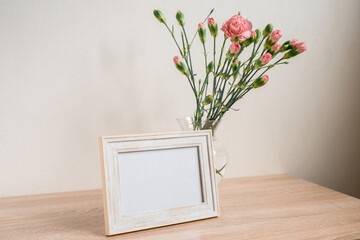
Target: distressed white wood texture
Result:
[[141, 172]]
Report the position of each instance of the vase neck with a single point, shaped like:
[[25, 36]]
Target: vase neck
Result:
[[187, 124]]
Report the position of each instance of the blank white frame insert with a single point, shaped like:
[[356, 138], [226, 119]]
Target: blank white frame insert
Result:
[[157, 180], [157, 176]]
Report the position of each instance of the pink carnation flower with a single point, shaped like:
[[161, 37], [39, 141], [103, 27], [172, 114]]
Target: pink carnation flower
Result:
[[275, 36], [300, 47], [265, 59], [235, 47], [237, 26], [276, 47], [294, 42], [177, 60], [211, 22], [201, 25], [265, 78]]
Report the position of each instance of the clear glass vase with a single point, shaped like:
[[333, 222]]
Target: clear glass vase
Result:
[[220, 153]]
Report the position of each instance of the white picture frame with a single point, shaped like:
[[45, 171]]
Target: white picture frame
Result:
[[156, 180]]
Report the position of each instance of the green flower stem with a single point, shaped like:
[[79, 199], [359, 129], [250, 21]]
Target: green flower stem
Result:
[[192, 84], [183, 43], [205, 56], [197, 119], [221, 89], [192, 80], [271, 66], [240, 94], [187, 59], [221, 53], [205, 83], [229, 105], [223, 74], [217, 66], [221, 77], [251, 56], [246, 76], [215, 86], [234, 94], [188, 48], [231, 88], [172, 35], [254, 54], [183, 55], [267, 68], [214, 51], [192, 40]]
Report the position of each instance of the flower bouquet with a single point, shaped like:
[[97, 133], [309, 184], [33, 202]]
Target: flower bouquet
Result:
[[226, 78]]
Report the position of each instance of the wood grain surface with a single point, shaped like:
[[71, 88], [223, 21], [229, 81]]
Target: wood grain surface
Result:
[[267, 207]]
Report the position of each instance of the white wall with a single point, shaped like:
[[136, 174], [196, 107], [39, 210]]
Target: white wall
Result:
[[74, 70]]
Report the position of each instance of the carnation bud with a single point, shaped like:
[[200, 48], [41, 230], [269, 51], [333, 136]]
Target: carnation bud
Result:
[[202, 32], [272, 39], [210, 67], [261, 81], [287, 42], [293, 43], [158, 14], [263, 60], [250, 40], [258, 35], [268, 29], [285, 46], [268, 44], [290, 54], [208, 99], [275, 49], [235, 70], [180, 65], [275, 36], [234, 48], [180, 18], [213, 27], [300, 47], [296, 49], [253, 35]]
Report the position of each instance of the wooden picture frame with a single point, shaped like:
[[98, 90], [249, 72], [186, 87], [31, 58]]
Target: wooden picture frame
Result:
[[155, 180]]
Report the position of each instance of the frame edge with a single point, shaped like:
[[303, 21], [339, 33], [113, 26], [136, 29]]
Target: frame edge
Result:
[[104, 188]]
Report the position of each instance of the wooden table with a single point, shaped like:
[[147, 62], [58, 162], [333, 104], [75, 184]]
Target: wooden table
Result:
[[268, 207]]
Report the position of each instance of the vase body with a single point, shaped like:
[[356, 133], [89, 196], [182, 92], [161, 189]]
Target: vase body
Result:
[[220, 153]]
